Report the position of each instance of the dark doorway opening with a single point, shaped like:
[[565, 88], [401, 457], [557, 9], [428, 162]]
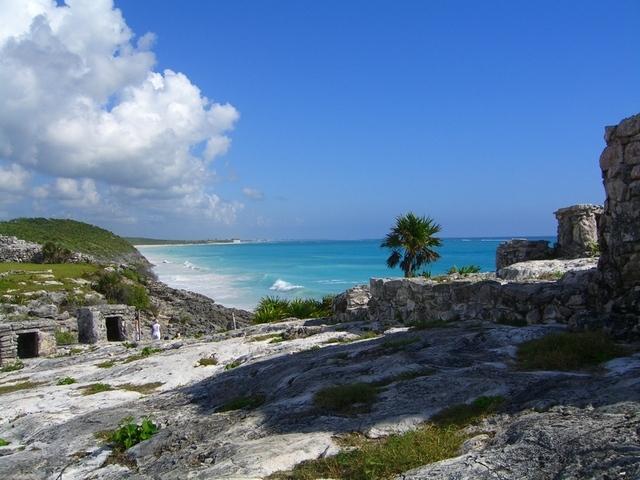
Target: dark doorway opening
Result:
[[28, 345], [114, 329]]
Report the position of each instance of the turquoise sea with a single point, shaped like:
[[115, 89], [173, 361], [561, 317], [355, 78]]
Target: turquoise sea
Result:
[[238, 275]]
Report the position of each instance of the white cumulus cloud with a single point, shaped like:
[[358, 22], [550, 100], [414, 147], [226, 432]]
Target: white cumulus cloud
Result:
[[252, 193], [81, 105]]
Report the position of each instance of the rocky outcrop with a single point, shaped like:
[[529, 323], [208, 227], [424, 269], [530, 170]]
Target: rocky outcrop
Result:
[[187, 313], [545, 269], [521, 250], [578, 231], [556, 424], [13, 249]]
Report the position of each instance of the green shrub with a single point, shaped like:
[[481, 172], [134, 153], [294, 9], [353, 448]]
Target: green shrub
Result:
[[346, 399], [593, 249], [567, 351], [464, 270], [3, 442], [66, 381], [130, 433], [395, 345], [273, 309], [65, 337], [112, 286], [96, 388], [54, 253], [12, 367], [232, 365], [246, 403]]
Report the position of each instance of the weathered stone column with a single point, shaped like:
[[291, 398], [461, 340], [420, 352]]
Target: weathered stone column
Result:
[[620, 222], [577, 230], [521, 250]]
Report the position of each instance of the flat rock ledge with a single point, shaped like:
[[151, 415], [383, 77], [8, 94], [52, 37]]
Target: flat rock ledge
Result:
[[556, 424]]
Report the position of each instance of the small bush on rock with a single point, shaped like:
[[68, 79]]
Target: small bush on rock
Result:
[[12, 367], [65, 337], [130, 433], [54, 253], [3, 442], [273, 309], [66, 381]]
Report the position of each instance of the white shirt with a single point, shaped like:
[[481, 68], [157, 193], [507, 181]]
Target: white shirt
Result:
[[155, 331]]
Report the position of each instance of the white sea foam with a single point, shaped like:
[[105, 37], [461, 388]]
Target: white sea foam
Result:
[[281, 286], [166, 261]]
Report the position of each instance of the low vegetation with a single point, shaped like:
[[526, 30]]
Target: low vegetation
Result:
[[3, 442], [55, 253], [395, 345], [372, 459], [130, 433], [262, 338], [23, 278], [106, 364], [96, 388], [66, 381], [208, 361], [12, 367], [19, 386], [232, 365], [274, 309], [120, 288], [144, 353], [70, 235], [64, 337], [243, 403], [464, 270], [142, 388], [346, 399], [568, 351]]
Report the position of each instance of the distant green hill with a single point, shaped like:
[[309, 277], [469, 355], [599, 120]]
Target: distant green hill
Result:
[[74, 235]]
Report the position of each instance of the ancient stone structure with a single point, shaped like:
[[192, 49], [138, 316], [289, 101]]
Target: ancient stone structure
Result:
[[352, 304], [26, 339], [406, 301], [13, 249], [108, 323], [619, 229], [578, 231], [521, 250]]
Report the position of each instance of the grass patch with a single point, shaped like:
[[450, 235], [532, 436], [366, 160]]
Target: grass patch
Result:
[[381, 459], [429, 324], [274, 309], [107, 364], [395, 345], [466, 414], [3, 442], [66, 381], [346, 399], [243, 403], [464, 270], [96, 388], [232, 365], [208, 361], [65, 338], [12, 367], [568, 351], [21, 278], [19, 386], [144, 353], [388, 457], [142, 388], [262, 338]]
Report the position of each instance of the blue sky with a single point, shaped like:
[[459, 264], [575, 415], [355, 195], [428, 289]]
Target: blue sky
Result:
[[487, 116]]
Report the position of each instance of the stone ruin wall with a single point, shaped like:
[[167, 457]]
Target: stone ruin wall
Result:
[[607, 297], [44, 329]]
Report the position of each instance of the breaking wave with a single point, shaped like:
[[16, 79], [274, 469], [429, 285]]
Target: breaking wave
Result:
[[281, 286]]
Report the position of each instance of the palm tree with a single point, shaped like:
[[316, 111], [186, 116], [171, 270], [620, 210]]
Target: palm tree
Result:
[[412, 243]]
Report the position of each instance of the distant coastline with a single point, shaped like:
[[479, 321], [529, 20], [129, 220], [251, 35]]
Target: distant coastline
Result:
[[155, 242]]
